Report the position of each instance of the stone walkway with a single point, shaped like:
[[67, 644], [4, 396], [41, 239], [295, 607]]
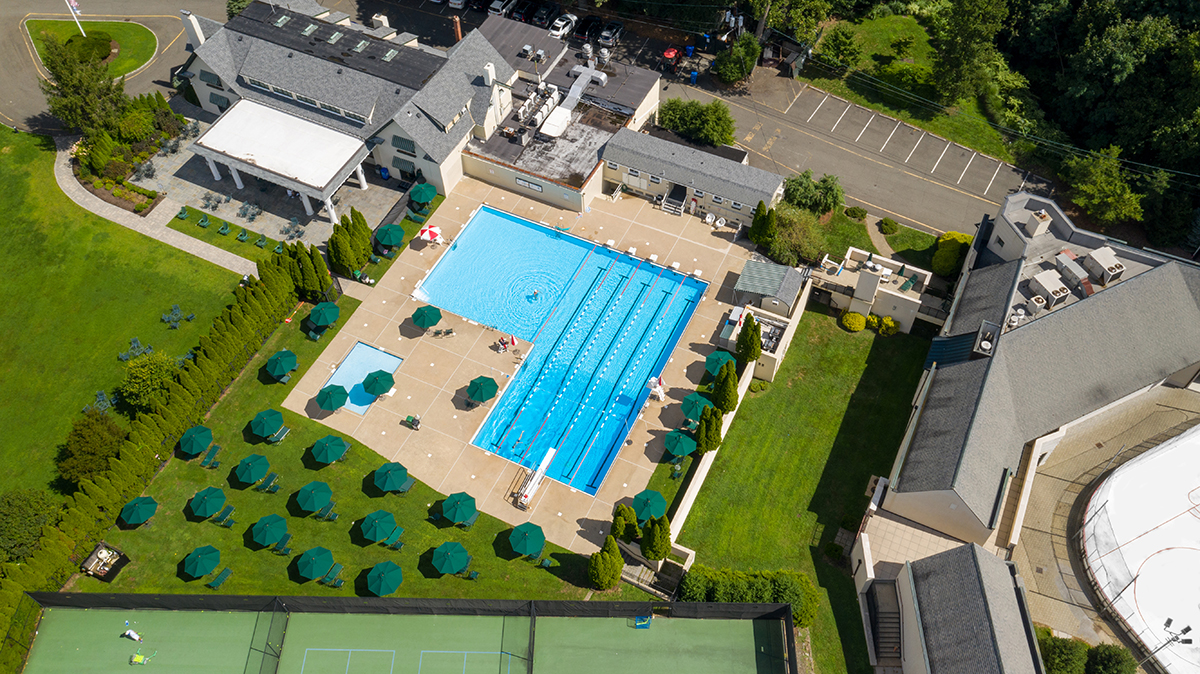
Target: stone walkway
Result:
[[153, 225]]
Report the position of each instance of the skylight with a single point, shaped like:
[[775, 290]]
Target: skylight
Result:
[[391, 54], [282, 20], [312, 27], [362, 44], [335, 37]]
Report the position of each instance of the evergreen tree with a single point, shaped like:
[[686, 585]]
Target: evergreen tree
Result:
[[318, 262], [725, 395], [749, 341], [81, 93], [308, 276], [604, 567], [656, 541], [619, 526], [758, 224], [632, 530], [704, 433], [715, 422]]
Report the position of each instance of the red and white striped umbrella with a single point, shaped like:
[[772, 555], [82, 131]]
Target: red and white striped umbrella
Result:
[[430, 233], [512, 339]]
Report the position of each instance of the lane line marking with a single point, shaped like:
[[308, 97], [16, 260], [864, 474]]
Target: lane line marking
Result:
[[789, 107], [994, 174], [753, 130], [814, 112], [910, 152], [835, 124], [943, 154], [1023, 181], [973, 154], [864, 130], [889, 138]]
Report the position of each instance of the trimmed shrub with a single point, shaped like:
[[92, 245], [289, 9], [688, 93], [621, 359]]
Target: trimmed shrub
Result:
[[115, 170], [952, 248], [656, 539], [1063, 656], [95, 47], [889, 226], [702, 583], [706, 123], [604, 566], [872, 321], [1110, 659], [631, 531], [856, 213], [888, 326], [853, 321], [725, 395]]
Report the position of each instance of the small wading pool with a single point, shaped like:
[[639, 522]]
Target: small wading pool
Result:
[[362, 360]]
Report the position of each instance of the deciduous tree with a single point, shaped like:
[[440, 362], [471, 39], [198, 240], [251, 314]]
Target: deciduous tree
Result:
[[23, 513], [94, 439], [1100, 187], [145, 378], [964, 40]]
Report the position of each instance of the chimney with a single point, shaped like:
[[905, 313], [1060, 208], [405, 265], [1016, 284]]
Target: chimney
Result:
[[457, 30], [379, 21], [489, 74], [195, 36]]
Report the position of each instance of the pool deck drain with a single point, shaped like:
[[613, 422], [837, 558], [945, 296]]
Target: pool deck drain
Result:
[[440, 453]]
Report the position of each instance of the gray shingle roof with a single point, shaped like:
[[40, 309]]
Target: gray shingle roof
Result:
[[986, 297], [694, 168], [972, 621], [208, 27], [770, 280]]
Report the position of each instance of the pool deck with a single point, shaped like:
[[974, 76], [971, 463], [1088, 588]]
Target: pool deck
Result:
[[432, 380]]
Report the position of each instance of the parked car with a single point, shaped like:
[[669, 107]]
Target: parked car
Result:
[[523, 11], [545, 14], [457, 4], [501, 7], [589, 28], [563, 26], [479, 5], [611, 35]]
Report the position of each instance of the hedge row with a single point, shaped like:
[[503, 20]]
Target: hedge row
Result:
[[702, 583]]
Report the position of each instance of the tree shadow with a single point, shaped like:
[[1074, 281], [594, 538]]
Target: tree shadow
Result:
[[593, 531], [502, 548], [570, 568]]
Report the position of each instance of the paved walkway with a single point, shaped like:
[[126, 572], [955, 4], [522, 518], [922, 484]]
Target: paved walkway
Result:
[[153, 225], [877, 238]]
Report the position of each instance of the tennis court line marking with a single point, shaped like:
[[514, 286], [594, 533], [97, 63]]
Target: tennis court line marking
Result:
[[420, 661], [349, 652]]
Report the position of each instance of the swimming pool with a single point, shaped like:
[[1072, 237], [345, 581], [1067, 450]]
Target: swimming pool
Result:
[[601, 322], [362, 360]]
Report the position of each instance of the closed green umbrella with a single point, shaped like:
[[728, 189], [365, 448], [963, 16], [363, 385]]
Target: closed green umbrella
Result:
[[714, 361], [281, 363], [903, 268], [378, 382], [268, 530], [329, 449], [384, 578], [266, 423], [423, 193], [649, 504], [679, 444], [426, 317], [139, 510], [315, 563], [207, 502], [252, 469], [482, 389], [325, 313], [451, 557], [391, 477], [390, 235], [195, 440], [377, 525], [693, 406], [201, 561], [332, 397], [527, 539], [314, 496], [459, 507]]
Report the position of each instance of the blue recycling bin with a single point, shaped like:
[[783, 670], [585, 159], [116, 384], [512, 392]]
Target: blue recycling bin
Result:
[[691, 50], [694, 76], [383, 172]]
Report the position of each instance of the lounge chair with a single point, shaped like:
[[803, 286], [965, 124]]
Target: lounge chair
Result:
[[223, 515], [331, 517], [474, 575], [396, 545], [415, 218], [375, 259], [279, 435], [407, 486], [224, 229], [282, 544], [470, 521], [244, 236], [392, 537], [279, 247], [438, 333], [336, 583], [419, 211], [214, 465], [325, 511], [448, 332], [203, 222], [284, 379], [267, 482], [274, 488], [219, 580], [546, 563], [228, 524], [182, 214], [210, 455], [333, 573], [262, 241]]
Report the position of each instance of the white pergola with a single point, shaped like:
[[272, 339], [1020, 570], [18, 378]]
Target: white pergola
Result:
[[300, 155]]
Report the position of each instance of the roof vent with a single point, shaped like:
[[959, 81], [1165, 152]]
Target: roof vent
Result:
[[339, 71], [985, 339], [289, 54], [239, 38]]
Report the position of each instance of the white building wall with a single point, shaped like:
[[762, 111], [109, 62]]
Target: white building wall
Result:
[[534, 187], [943, 511], [912, 645], [205, 90], [1005, 241]]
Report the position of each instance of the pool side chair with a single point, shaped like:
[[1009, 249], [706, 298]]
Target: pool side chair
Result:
[[470, 521], [435, 517], [282, 544], [389, 254], [228, 524], [284, 379], [182, 214], [262, 241], [279, 435], [415, 218], [419, 211], [244, 235], [407, 486], [279, 247], [214, 465], [337, 582], [203, 222], [546, 563], [324, 511], [267, 482], [211, 454], [217, 582], [392, 537], [223, 515], [334, 571], [474, 575], [396, 545], [224, 229], [274, 488], [331, 517]]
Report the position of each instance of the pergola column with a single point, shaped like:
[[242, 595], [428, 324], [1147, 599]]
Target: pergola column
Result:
[[237, 179], [307, 204], [329, 208], [212, 166], [362, 179]]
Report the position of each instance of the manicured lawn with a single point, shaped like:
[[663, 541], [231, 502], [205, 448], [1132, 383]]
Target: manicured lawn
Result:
[[79, 287], [229, 241], [157, 550], [842, 232], [796, 463], [914, 246], [965, 123], [136, 42], [411, 228]]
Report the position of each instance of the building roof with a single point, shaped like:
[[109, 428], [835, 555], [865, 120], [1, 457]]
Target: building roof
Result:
[[510, 37], [686, 166], [972, 615], [625, 88], [770, 280]]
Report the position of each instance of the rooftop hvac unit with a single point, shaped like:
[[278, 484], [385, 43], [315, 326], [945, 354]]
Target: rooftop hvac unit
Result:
[[1038, 223], [1071, 271], [1050, 286], [1035, 305], [604, 55], [526, 51], [539, 118], [540, 56], [587, 50], [1103, 265]]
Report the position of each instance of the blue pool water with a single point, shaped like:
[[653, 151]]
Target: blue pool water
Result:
[[601, 322], [362, 360]]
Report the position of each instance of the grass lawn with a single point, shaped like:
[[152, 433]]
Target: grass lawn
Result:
[[841, 232], [965, 123], [157, 550], [137, 43], [411, 228], [916, 247], [229, 241], [80, 288], [778, 492]]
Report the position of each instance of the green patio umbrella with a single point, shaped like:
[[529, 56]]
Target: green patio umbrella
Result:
[[377, 525], [268, 530], [423, 193], [715, 360], [384, 578], [527, 539], [332, 397], [281, 363], [426, 317], [315, 563], [139, 510], [201, 561], [458, 507], [329, 449], [252, 469], [649, 504], [266, 422], [207, 502], [390, 235], [378, 382], [391, 477], [195, 440], [325, 313], [314, 496], [482, 389], [451, 557], [694, 405], [903, 268], [679, 444]]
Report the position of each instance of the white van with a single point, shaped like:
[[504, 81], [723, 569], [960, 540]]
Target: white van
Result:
[[501, 7]]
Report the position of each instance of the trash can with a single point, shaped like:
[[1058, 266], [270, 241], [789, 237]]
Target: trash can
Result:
[[694, 76], [691, 50], [383, 172]]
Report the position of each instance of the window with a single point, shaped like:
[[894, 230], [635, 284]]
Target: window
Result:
[[655, 179], [210, 78], [698, 194], [337, 35], [634, 173], [613, 165], [391, 54], [218, 100], [257, 83], [403, 165], [312, 27], [358, 118], [405, 145], [525, 183], [999, 242], [736, 205], [282, 92], [362, 44], [306, 99], [330, 108], [717, 200]]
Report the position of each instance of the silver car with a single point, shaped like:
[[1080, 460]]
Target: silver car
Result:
[[563, 25]]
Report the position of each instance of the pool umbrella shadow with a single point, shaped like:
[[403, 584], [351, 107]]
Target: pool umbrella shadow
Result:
[[234, 483], [313, 410], [249, 543], [293, 506], [293, 571], [310, 462], [462, 401], [369, 488], [409, 330], [435, 516], [189, 515], [502, 548], [360, 584], [357, 537]]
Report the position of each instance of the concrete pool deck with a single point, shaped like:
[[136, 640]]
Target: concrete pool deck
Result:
[[432, 380]]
